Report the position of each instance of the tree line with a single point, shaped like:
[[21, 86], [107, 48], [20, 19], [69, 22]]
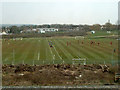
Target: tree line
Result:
[[62, 27]]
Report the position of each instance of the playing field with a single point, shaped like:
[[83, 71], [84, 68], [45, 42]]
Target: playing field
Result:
[[64, 50]]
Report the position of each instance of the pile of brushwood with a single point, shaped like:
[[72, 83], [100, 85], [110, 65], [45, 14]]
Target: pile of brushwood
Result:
[[58, 74]]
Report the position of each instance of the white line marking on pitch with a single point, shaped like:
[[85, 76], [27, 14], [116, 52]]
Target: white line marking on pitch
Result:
[[57, 53], [46, 50], [6, 59], [39, 56]]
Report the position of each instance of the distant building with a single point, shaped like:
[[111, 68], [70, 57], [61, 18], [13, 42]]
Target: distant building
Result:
[[43, 30], [108, 31], [92, 32], [34, 29], [28, 30], [102, 27], [3, 33], [21, 31], [40, 30]]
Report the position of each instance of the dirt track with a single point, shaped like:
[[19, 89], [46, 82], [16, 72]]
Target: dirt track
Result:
[[26, 75]]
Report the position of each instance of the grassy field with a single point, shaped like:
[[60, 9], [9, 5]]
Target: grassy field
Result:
[[38, 51]]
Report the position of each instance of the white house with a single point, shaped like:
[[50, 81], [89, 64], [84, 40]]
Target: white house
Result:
[[102, 27], [34, 29], [108, 31], [3, 33], [92, 32], [29, 30], [43, 30]]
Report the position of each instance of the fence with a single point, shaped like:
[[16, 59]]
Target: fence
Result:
[[90, 87], [65, 61]]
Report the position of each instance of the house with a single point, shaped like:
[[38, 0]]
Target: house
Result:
[[28, 30], [108, 31], [92, 32], [40, 30], [3, 33], [43, 30], [34, 30]]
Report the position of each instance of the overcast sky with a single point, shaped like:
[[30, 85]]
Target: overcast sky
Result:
[[59, 11]]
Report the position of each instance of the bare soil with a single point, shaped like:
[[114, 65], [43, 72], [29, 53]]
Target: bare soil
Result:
[[57, 74]]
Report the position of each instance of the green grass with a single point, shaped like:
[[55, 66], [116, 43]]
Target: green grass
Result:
[[102, 33], [37, 50]]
